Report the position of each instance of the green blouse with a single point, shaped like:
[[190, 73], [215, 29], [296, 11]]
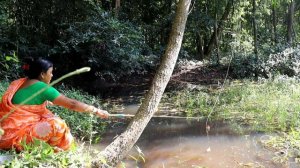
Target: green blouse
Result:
[[22, 94]]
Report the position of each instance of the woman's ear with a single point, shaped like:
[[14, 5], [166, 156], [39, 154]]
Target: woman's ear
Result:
[[42, 75]]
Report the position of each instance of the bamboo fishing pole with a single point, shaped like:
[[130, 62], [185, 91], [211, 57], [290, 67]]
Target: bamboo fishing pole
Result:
[[157, 116]]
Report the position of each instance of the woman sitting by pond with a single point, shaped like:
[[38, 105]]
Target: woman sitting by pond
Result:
[[32, 119]]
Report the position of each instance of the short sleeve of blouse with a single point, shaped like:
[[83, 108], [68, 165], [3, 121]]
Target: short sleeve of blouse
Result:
[[50, 93]]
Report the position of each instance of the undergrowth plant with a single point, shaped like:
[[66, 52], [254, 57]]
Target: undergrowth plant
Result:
[[264, 106], [286, 146], [41, 154]]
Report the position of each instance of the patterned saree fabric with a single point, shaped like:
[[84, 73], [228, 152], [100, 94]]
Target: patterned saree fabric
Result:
[[30, 121]]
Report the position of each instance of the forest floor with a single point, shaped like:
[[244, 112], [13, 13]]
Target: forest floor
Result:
[[186, 75], [196, 73]]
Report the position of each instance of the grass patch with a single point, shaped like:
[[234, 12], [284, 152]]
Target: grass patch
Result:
[[41, 154], [264, 106], [268, 106]]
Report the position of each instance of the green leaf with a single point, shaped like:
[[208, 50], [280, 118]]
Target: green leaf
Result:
[[8, 58], [6, 66]]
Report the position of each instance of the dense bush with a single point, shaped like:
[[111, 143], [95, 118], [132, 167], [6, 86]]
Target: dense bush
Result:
[[244, 66], [286, 62], [83, 33], [283, 62], [9, 66], [109, 46]]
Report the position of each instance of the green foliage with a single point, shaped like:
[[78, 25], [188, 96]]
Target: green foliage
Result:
[[285, 145], [41, 154], [3, 86], [83, 32], [265, 106], [9, 62], [244, 66], [193, 103], [112, 47], [88, 32], [36, 25], [200, 25], [9, 66], [285, 63]]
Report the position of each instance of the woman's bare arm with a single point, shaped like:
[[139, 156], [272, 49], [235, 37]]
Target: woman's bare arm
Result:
[[76, 105]]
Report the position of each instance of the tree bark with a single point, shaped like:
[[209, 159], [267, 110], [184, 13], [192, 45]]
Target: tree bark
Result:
[[200, 47], [117, 7], [217, 32], [290, 21], [118, 149], [274, 22], [217, 35], [255, 34]]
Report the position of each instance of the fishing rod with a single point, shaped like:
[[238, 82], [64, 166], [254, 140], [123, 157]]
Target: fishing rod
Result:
[[157, 116]]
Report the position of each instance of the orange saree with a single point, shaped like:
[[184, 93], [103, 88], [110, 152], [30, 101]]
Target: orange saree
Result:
[[29, 122]]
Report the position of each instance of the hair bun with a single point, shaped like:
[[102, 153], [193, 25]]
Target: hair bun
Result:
[[33, 67]]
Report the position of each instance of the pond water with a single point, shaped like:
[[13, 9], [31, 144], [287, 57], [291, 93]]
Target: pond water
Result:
[[181, 143]]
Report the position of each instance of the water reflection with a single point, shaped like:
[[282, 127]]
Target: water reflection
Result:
[[169, 143], [181, 143], [216, 151]]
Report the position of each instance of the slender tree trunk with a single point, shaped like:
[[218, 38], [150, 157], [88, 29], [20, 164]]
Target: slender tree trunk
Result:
[[106, 4], [117, 7], [200, 47], [290, 20], [274, 22], [217, 35], [212, 42], [217, 45], [255, 35], [119, 148]]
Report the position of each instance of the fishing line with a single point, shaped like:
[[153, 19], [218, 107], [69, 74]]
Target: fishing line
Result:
[[207, 127], [218, 97]]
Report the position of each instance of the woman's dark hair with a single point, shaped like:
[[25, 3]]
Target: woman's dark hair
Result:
[[34, 67]]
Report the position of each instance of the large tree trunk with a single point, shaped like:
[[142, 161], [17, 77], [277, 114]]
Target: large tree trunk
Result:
[[217, 32], [119, 148], [290, 20]]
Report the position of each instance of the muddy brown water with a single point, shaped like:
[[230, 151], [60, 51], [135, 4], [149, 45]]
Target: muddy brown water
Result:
[[181, 143]]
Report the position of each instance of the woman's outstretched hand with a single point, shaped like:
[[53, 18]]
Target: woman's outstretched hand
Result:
[[98, 112], [102, 113]]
